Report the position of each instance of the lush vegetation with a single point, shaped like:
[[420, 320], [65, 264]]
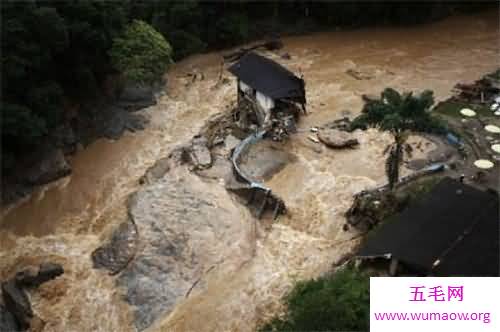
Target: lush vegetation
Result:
[[399, 114], [142, 54], [56, 54], [335, 303]]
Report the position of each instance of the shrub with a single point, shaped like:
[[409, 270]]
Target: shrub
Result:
[[336, 303]]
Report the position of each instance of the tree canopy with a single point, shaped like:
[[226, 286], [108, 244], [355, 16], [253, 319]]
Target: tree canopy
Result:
[[397, 112], [335, 303], [141, 54]]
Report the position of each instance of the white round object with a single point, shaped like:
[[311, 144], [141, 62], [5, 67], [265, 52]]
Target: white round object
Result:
[[483, 164], [497, 99], [492, 129], [494, 106], [496, 148], [467, 112], [497, 113]]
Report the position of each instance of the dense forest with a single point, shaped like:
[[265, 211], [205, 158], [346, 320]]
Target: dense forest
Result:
[[58, 53]]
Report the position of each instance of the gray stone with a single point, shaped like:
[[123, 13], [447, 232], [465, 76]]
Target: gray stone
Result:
[[230, 142], [7, 321], [17, 303], [33, 278], [157, 171], [200, 154], [264, 159], [337, 139], [119, 249], [186, 226]]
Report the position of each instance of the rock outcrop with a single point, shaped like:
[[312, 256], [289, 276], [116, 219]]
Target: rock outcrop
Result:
[[17, 311], [337, 139], [119, 250], [50, 167], [186, 226]]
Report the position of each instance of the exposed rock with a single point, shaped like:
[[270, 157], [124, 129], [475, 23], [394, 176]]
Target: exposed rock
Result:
[[264, 159], [17, 303], [187, 226], [7, 320], [113, 121], [27, 277], [32, 278], [135, 97], [157, 171], [16, 300], [343, 124], [200, 154], [337, 139], [48, 271], [230, 142], [119, 249], [51, 167], [221, 168]]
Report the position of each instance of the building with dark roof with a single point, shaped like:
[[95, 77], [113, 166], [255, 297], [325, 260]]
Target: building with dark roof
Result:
[[452, 231], [267, 87]]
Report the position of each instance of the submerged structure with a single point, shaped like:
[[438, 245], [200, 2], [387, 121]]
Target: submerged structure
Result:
[[269, 95], [452, 231]]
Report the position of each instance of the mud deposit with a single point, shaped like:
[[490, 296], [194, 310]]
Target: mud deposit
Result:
[[201, 261]]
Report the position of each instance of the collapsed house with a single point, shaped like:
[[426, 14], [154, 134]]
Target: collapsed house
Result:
[[452, 231], [269, 95]]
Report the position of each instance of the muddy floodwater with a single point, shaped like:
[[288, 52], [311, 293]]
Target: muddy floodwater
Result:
[[231, 270]]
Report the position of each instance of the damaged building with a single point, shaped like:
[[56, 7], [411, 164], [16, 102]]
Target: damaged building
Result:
[[269, 95]]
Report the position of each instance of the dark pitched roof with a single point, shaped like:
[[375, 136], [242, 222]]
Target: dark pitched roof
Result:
[[268, 77], [455, 223]]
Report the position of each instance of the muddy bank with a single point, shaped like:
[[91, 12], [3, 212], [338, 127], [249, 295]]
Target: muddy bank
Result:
[[67, 221]]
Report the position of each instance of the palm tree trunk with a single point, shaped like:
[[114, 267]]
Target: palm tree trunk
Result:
[[394, 161]]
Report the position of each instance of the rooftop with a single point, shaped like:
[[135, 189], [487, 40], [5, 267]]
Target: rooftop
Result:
[[269, 77], [453, 230]]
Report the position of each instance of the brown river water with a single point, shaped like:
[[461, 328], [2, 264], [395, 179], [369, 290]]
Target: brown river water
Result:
[[68, 219]]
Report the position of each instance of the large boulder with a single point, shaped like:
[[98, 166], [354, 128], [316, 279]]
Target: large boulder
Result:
[[262, 160], [337, 139], [186, 226]]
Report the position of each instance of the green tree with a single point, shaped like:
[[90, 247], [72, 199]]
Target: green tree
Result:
[[141, 54], [336, 303], [398, 113]]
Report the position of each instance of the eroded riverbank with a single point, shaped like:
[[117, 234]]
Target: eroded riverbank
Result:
[[240, 268]]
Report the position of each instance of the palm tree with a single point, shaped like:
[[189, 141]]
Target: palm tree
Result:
[[398, 114]]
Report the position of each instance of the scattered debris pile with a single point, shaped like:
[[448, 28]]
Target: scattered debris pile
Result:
[[371, 207], [17, 314], [479, 92], [256, 195]]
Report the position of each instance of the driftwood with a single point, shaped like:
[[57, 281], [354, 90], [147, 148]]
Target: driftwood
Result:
[[271, 45]]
